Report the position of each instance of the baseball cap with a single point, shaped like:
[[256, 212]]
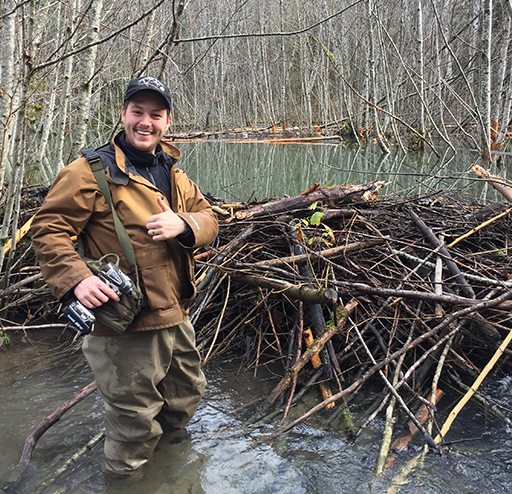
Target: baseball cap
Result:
[[148, 84]]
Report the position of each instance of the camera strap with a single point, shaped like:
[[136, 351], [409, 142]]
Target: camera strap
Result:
[[124, 239]]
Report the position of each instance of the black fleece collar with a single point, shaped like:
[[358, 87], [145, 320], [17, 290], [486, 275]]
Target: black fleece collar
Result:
[[135, 156]]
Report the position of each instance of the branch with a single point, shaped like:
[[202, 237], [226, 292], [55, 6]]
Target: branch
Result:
[[266, 35], [99, 42], [312, 350]]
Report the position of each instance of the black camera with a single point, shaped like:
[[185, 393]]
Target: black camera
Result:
[[80, 316], [115, 279]]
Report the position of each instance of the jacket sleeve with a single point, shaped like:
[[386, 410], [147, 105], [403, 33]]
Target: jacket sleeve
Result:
[[196, 211], [64, 214]]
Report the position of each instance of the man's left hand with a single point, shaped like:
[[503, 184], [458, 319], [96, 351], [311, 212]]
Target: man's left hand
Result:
[[166, 224]]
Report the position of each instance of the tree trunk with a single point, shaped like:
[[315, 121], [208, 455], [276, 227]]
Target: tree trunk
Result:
[[485, 92], [7, 83], [88, 66]]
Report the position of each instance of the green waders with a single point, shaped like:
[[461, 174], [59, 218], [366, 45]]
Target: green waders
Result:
[[150, 381]]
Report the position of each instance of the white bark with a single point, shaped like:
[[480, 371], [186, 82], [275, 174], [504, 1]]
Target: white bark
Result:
[[88, 65], [420, 69], [372, 91], [6, 83], [485, 99], [65, 96]]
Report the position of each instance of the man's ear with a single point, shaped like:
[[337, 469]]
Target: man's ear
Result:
[[123, 111]]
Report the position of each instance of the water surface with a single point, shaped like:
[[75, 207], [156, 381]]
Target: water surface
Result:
[[252, 170], [219, 454]]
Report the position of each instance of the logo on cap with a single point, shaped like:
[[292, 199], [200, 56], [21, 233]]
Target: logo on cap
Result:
[[152, 83]]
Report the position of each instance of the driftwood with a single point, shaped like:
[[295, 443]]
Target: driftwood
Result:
[[334, 195]]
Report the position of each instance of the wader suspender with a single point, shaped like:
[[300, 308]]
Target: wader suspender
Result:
[[124, 239]]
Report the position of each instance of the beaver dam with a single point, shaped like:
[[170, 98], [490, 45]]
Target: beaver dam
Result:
[[333, 290]]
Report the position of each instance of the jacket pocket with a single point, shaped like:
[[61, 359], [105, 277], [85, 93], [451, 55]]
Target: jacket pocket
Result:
[[158, 276]]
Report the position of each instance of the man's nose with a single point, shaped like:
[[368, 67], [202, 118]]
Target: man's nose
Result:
[[145, 120]]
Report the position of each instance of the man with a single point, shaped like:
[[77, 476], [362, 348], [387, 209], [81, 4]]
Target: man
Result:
[[149, 377]]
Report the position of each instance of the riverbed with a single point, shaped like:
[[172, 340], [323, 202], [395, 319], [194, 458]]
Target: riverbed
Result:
[[219, 453]]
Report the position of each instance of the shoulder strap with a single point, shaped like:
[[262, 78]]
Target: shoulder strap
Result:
[[124, 239]]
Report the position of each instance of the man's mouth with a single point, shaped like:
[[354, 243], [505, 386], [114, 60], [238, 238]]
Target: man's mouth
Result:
[[143, 132]]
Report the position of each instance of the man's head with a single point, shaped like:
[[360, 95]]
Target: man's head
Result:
[[146, 112]]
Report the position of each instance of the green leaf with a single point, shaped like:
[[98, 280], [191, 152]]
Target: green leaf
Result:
[[313, 206], [316, 218]]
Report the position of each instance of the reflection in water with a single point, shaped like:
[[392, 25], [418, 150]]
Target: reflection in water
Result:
[[246, 171]]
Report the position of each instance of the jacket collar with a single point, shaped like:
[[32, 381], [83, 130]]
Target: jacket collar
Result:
[[119, 170]]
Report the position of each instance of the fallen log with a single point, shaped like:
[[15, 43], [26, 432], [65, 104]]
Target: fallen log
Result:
[[334, 195]]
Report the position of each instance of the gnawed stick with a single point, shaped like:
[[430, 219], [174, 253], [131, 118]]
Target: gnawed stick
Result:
[[87, 447], [494, 180], [400, 444], [487, 403], [473, 388], [466, 288], [308, 294], [306, 356], [327, 253]]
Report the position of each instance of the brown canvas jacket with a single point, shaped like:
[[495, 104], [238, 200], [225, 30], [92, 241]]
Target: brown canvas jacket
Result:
[[75, 205]]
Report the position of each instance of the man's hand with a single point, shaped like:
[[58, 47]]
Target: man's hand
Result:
[[92, 292], [166, 224]]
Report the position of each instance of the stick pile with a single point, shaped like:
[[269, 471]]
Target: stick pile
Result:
[[412, 292]]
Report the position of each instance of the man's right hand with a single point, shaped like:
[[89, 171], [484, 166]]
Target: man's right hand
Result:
[[92, 292]]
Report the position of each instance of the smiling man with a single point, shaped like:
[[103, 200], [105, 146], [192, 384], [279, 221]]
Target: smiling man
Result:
[[150, 375]]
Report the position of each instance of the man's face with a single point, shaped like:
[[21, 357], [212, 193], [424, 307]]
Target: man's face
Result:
[[145, 119]]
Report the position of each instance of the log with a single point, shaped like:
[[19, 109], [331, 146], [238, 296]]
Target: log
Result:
[[447, 258], [307, 294], [333, 195]]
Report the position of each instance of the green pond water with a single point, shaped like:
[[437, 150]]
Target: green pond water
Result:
[[247, 171]]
